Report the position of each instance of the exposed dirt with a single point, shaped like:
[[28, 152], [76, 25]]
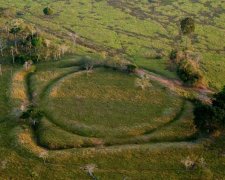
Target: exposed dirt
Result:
[[203, 93]]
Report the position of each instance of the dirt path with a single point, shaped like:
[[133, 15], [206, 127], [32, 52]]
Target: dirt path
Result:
[[202, 94]]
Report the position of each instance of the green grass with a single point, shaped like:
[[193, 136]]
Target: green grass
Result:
[[20, 153], [109, 98], [134, 30], [114, 110]]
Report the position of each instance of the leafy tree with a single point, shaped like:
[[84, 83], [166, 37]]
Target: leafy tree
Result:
[[47, 11], [187, 26], [204, 118], [209, 118], [219, 100]]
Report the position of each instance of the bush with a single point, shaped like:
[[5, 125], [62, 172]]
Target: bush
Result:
[[21, 59], [131, 68], [47, 11], [186, 64], [189, 74], [36, 41]]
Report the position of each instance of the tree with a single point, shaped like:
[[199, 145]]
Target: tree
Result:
[[203, 118], [209, 118], [187, 26], [219, 100], [47, 11]]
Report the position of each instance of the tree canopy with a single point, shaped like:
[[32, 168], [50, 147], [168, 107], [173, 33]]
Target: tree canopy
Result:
[[187, 26], [209, 118], [47, 11]]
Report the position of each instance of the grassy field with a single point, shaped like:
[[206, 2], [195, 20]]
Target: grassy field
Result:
[[135, 31], [99, 120], [69, 154]]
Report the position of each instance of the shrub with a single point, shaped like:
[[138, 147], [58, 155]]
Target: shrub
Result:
[[21, 59], [189, 74], [131, 68], [36, 41], [32, 115], [47, 11], [187, 67]]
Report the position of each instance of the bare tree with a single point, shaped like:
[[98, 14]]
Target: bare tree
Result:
[[143, 82]]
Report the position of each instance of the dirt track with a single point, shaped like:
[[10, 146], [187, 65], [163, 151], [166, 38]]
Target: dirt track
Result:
[[203, 94]]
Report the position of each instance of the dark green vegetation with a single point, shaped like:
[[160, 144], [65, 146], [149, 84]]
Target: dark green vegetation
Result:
[[96, 112], [187, 26], [211, 118], [47, 11]]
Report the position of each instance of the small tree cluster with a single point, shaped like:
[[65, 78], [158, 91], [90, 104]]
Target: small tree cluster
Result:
[[189, 73], [24, 42], [186, 64], [211, 118]]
